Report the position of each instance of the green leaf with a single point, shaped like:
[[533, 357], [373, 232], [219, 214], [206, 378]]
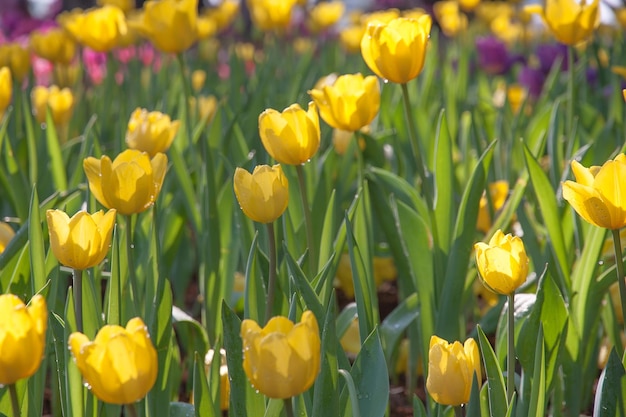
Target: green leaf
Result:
[[57, 166], [254, 292], [325, 397], [609, 390], [37, 252], [538, 393], [371, 377], [203, 403], [190, 331], [394, 325], [495, 380], [182, 410], [445, 206]]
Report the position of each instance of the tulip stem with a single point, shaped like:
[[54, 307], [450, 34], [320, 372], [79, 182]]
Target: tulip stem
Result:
[[510, 368], [271, 283], [132, 411], [77, 285], [15, 404], [186, 97], [619, 264], [289, 407], [130, 259], [458, 411], [570, 90], [308, 222]]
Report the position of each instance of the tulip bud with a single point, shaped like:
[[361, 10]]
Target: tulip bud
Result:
[[59, 101], [150, 132], [264, 194], [6, 90], [100, 29]]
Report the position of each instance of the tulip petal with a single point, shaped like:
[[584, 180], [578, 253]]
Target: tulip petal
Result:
[[588, 203]]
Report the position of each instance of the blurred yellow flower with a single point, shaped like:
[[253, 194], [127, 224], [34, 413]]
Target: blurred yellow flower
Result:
[[599, 193], [205, 27], [99, 29], [325, 14], [379, 17], [120, 365], [130, 184], [451, 19], [6, 90], [620, 15], [341, 139], [271, 14], [204, 106], [262, 195], [515, 95], [281, 359], [485, 298], [171, 25], [350, 38], [350, 103], [125, 5], [291, 137], [224, 380], [384, 269], [66, 75], [59, 101], [17, 58], [198, 78], [498, 192], [351, 339], [396, 50], [6, 235], [570, 21], [415, 13], [502, 263], [150, 132], [55, 45], [468, 5], [451, 369], [223, 14], [82, 241], [402, 360]]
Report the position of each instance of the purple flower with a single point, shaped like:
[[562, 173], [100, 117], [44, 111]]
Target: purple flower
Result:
[[548, 54], [493, 56], [532, 79]]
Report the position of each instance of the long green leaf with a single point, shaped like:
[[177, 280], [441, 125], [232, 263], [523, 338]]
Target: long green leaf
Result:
[[497, 391]]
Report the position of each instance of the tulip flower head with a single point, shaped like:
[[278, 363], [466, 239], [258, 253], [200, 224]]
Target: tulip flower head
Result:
[[350, 103], [262, 195], [125, 5], [150, 132], [60, 101], [224, 381], [17, 58], [498, 192], [82, 241], [271, 15], [130, 183], [599, 193], [55, 45], [22, 337], [502, 263], [6, 90], [120, 364], [451, 369], [203, 107], [291, 137], [570, 21], [6, 235], [325, 14], [99, 29], [396, 50], [281, 359]]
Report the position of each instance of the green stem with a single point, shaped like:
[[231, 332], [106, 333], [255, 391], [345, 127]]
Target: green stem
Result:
[[271, 286], [571, 91], [289, 406], [308, 222], [130, 260], [15, 404], [510, 368], [132, 411], [458, 411], [352, 392], [77, 285], [186, 96], [619, 264]]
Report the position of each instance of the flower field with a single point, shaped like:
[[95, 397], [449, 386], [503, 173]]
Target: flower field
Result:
[[281, 208]]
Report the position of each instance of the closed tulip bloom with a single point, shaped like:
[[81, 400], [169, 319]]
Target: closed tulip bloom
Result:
[[150, 132], [125, 5], [262, 195], [120, 365], [291, 137], [281, 359], [223, 14], [451, 369], [325, 14], [6, 89], [17, 58], [6, 235], [395, 51], [22, 337], [350, 38], [570, 21], [502, 263], [350, 103], [498, 192], [271, 14], [130, 183], [204, 106], [171, 25], [198, 78], [100, 29], [599, 193], [55, 45], [59, 101], [82, 241]]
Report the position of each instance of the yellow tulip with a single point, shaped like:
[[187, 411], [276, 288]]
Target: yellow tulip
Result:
[[384, 269], [262, 195], [204, 106], [224, 381], [223, 14], [6, 90], [59, 101], [502, 264], [451, 369], [17, 58], [570, 21], [99, 29], [451, 19], [379, 17], [395, 51], [120, 365], [22, 337], [66, 75], [150, 132], [599, 193], [350, 103], [171, 25], [325, 14], [130, 184], [351, 339], [6, 235], [82, 241], [291, 137], [281, 359], [498, 192], [125, 5], [271, 14], [469, 5], [54, 44], [350, 38], [198, 78], [515, 95]]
